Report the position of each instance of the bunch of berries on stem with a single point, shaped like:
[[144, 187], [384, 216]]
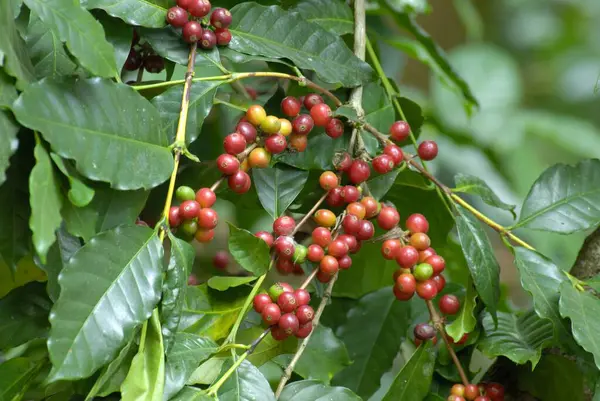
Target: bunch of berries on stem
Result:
[[192, 16]]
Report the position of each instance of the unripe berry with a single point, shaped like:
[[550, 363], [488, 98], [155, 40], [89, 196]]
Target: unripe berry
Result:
[[427, 289], [265, 236], [394, 152], [388, 218], [350, 193], [315, 253], [284, 225], [383, 164], [285, 247], [334, 128], [277, 289], [423, 272], [329, 265], [356, 209], [399, 131], [192, 31], [359, 171], [184, 193], [189, 209], [417, 223], [321, 114], [366, 230], [303, 124], [220, 18], [275, 144], [337, 248], [342, 161], [372, 207], [290, 106], [199, 8], [234, 143], [427, 150], [207, 218], [223, 38], [298, 142], [287, 302], [239, 182], [259, 158], [390, 248], [345, 262], [424, 331], [270, 125], [449, 304], [247, 130], [285, 127], [300, 253], [228, 164], [221, 260], [271, 314], [177, 16], [260, 301], [311, 100], [205, 197], [174, 217], [256, 114], [328, 180], [406, 283], [321, 236], [305, 314], [304, 330], [407, 257], [289, 323], [204, 236], [324, 218]]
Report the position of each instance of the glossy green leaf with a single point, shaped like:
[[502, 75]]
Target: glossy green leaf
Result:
[[146, 378], [83, 35], [268, 348], [381, 184], [318, 154], [67, 114], [46, 200], [79, 194], [278, 186], [187, 353], [251, 252], [315, 391], [472, 185], [246, 384], [148, 13], [119, 35], [14, 57], [564, 199], [333, 15], [272, 32], [378, 112], [223, 283], [125, 268], [8, 136], [25, 272], [582, 309], [413, 381], [16, 376], [208, 372], [192, 394], [480, 258], [519, 338], [536, 382], [8, 92], [373, 332], [465, 321], [113, 375], [174, 287], [346, 111]]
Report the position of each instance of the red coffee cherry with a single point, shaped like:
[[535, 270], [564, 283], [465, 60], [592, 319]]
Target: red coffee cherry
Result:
[[372, 207], [321, 114], [321, 236], [192, 31], [289, 323], [260, 301], [239, 182], [206, 197], [350, 193], [221, 260], [311, 100], [285, 247], [407, 257], [265, 236], [329, 265], [305, 314], [174, 217], [359, 171], [437, 262], [304, 330], [342, 161], [328, 180], [383, 164], [417, 223], [440, 282], [275, 144], [388, 218], [223, 38], [303, 124], [453, 397], [351, 241], [134, 60], [177, 16], [256, 114], [334, 128], [199, 8], [402, 296], [287, 302], [426, 253], [483, 398], [472, 391], [284, 266], [406, 283], [334, 197], [154, 64], [279, 288], [185, 4], [337, 248], [351, 224], [290, 106], [247, 130], [298, 142], [427, 289], [394, 152], [302, 296], [420, 241], [449, 304], [204, 236], [315, 253], [278, 333], [366, 230], [284, 225], [220, 18], [427, 150], [495, 391], [208, 39], [189, 209], [345, 262], [271, 314], [207, 218], [424, 331], [399, 131], [234, 143], [390, 248], [228, 164]]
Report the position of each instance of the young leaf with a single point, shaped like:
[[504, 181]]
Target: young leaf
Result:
[[273, 32], [373, 332], [519, 338], [80, 194], [481, 261], [582, 308], [146, 378], [470, 184], [246, 384], [67, 114], [314, 390], [114, 373], [8, 136], [268, 348], [83, 35], [16, 376], [223, 283], [116, 278], [465, 320], [46, 199], [150, 14], [412, 382], [278, 186], [333, 15], [564, 199], [15, 58], [251, 252]]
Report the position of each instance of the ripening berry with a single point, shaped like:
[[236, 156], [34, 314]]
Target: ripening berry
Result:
[[284, 266], [390, 248], [275, 144], [458, 389], [334, 128], [177, 16], [154, 64], [290, 106], [328, 180], [265, 236], [285, 127], [278, 334], [437, 262], [372, 206], [472, 391], [247, 130], [383, 164], [321, 114], [234, 143], [420, 241], [359, 171], [406, 283], [184, 193], [192, 31], [270, 125], [239, 182], [287, 302], [204, 236], [427, 150], [329, 265], [350, 193], [199, 8], [424, 331], [284, 225], [407, 257], [221, 260], [189, 227], [321, 236], [305, 314], [356, 209], [449, 304], [427, 289], [285, 247], [337, 248], [303, 124], [324, 218], [220, 18], [345, 262], [417, 223], [271, 314], [399, 131], [259, 158], [260, 301], [289, 323], [189, 209], [394, 152], [315, 253], [134, 60], [304, 330], [453, 397], [342, 161], [256, 114], [388, 218], [205, 197], [311, 100], [228, 164], [174, 217], [366, 231], [426, 253], [423, 272], [223, 38], [298, 142]]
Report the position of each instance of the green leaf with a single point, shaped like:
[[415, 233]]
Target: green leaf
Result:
[[126, 267], [114, 373], [208, 371], [346, 111], [333, 15], [246, 384], [14, 57], [373, 332], [268, 348], [569, 387], [249, 251], [137, 149], [16, 376], [378, 112], [8, 136], [272, 32], [472, 185], [413, 381], [223, 283], [318, 154], [148, 13], [119, 35], [315, 391], [582, 309], [187, 353], [519, 338], [564, 199], [25, 272], [45, 198], [175, 286], [8, 92], [83, 35], [480, 258], [146, 378], [409, 6], [380, 185], [278, 186], [192, 394], [80, 194], [465, 321]]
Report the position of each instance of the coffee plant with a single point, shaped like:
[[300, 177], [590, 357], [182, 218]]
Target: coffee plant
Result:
[[265, 141]]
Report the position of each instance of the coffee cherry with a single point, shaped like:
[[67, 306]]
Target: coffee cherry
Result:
[[184, 193], [324, 218], [351, 241], [278, 334], [366, 230], [285, 127], [337, 248], [304, 330], [154, 64], [284, 225], [207, 218], [205, 197], [372, 207], [260, 301], [321, 114], [472, 391], [199, 8], [440, 282], [424, 331], [334, 197], [388, 218], [298, 142], [311, 100], [134, 60], [305, 314], [303, 124], [259, 158], [300, 254], [321, 236], [345, 262], [270, 125], [406, 283], [220, 18], [334, 128], [228, 164], [417, 223], [462, 340], [287, 302], [189, 209], [351, 224], [284, 266], [359, 171], [495, 391], [174, 217], [427, 150], [390, 248], [356, 209], [271, 314], [483, 398], [402, 296], [277, 289], [221, 260], [193, 280], [394, 152], [342, 161], [328, 180], [453, 397], [204, 236], [177, 16], [399, 131], [427, 289], [449, 304], [315, 253], [458, 389], [275, 144], [407, 257], [420, 241], [290, 106], [247, 130], [185, 4], [285, 247], [223, 38], [423, 272], [426, 253], [289, 323], [256, 114], [192, 31], [383, 164], [329, 265], [265, 236], [239, 182], [234, 143]]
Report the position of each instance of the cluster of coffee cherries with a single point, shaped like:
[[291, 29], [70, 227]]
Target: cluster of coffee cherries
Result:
[[473, 392], [285, 311], [194, 218], [142, 55], [207, 32], [449, 304], [400, 130]]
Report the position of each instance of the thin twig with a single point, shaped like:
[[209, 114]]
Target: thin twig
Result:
[[309, 214]]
